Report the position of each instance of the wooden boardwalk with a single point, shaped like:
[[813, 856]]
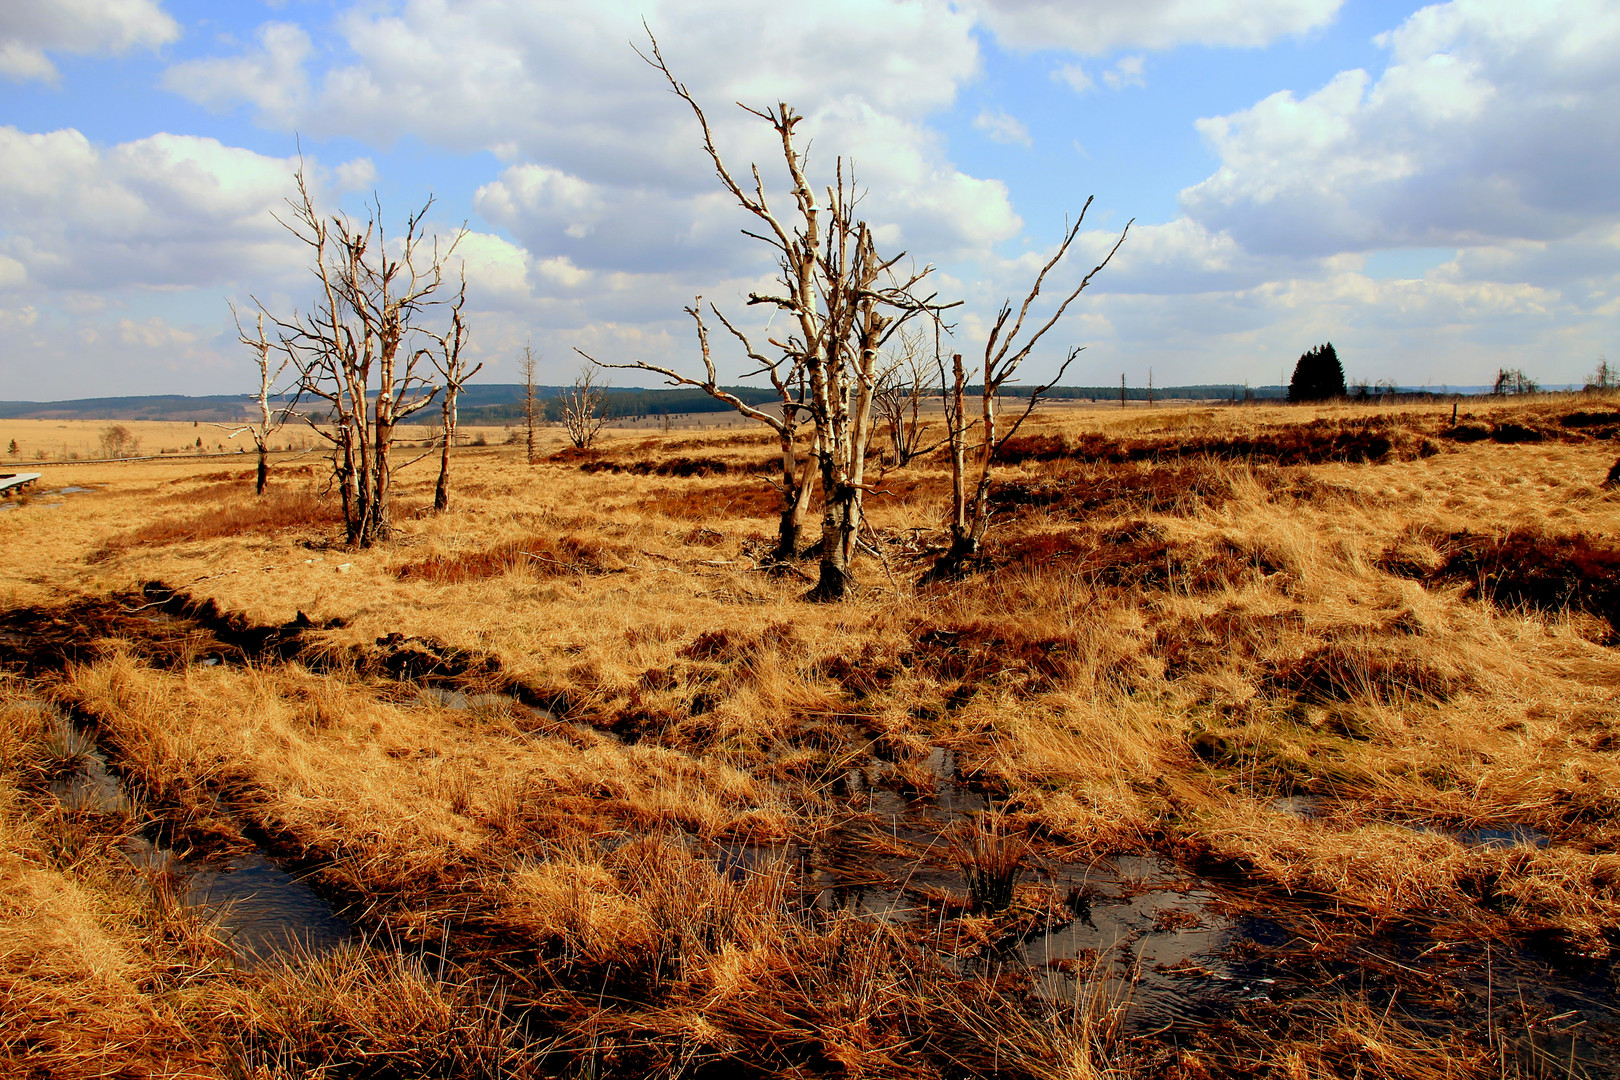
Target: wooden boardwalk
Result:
[[11, 483]]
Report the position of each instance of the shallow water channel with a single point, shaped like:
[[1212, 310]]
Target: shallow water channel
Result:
[[33, 497], [1173, 952], [262, 909], [1177, 952]]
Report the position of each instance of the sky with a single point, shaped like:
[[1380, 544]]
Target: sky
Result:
[[1432, 189]]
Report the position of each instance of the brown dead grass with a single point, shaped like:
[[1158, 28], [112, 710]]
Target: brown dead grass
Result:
[[1189, 613], [279, 510]]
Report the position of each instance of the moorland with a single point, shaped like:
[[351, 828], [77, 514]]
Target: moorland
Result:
[[1262, 741]]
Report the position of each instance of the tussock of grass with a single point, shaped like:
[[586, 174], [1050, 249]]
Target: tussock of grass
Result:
[[539, 555], [278, 510]]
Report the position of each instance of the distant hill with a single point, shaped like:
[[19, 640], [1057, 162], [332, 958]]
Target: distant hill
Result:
[[222, 408]]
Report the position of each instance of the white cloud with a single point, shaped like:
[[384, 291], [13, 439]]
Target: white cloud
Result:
[[271, 77], [20, 318], [559, 82], [153, 333], [1127, 72], [1493, 121], [1099, 27], [356, 175], [495, 267], [31, 28], [166, 210], [1000, 127], [606, 166], [1075, 76]]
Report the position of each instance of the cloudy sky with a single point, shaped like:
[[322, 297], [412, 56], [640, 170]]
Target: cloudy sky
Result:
[[1433, 189]]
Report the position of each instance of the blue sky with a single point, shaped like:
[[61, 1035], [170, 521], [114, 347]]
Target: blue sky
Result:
[[1431, 188]]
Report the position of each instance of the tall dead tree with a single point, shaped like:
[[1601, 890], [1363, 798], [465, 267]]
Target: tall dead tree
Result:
[[584, 407], [270, 419], [354, 349], [797, 482], [902, 385], [843, 302], [452, 368], [526, 365], [1004, 354]]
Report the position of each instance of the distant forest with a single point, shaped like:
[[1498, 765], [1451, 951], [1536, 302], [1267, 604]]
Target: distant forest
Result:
[[502, 403]]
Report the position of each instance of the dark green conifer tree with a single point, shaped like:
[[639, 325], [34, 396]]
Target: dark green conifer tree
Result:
[[1318, 376]]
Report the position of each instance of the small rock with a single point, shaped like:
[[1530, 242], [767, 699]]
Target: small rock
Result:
[[344, 568]]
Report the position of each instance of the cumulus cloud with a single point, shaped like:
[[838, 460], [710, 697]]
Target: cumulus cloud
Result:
[[1075, 77], [166, 210], [1128, 71], [29, 29], [153, 333], [355, 175], [1000, 127], [270, 77], [606, 166], [1491, 122], [560, 83], [1100, 27], [494, 267]]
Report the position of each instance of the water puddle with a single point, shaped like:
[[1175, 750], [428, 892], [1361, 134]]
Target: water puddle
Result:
[[1504, 836], [92, 788], [264, 910], [465, 702], [1301, 806], [9, 504], [1500, 835], [1177, 952]]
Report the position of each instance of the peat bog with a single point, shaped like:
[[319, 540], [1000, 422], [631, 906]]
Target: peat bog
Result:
[[1260, 741]]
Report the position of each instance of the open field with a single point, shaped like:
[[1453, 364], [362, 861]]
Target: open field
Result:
[[1274, 742]]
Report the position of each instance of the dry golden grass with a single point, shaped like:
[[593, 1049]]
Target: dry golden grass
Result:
[[1163, 647]]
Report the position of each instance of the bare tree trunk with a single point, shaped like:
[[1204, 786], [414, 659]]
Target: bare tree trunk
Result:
[[527, 368], [828, 273], [584, 407], [964, 547], [800, 484], [269, 420], [797, 485], [344, 454], [971, 509], [374, 291], [381, 524]]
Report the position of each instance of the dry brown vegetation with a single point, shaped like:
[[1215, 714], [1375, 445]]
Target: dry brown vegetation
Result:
[[1325, 697]]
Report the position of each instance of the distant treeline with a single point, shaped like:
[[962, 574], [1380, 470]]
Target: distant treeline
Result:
[[502, 403]]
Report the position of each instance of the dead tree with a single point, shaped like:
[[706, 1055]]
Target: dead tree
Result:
[[797, 482], [843, 303], [902, 386], [270, 419], [354, 348], [584, 407], [527, 367], [1004, 354], [452, 368]]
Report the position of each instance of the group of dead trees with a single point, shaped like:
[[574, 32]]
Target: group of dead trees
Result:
[[385, 338], [853, 355]]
